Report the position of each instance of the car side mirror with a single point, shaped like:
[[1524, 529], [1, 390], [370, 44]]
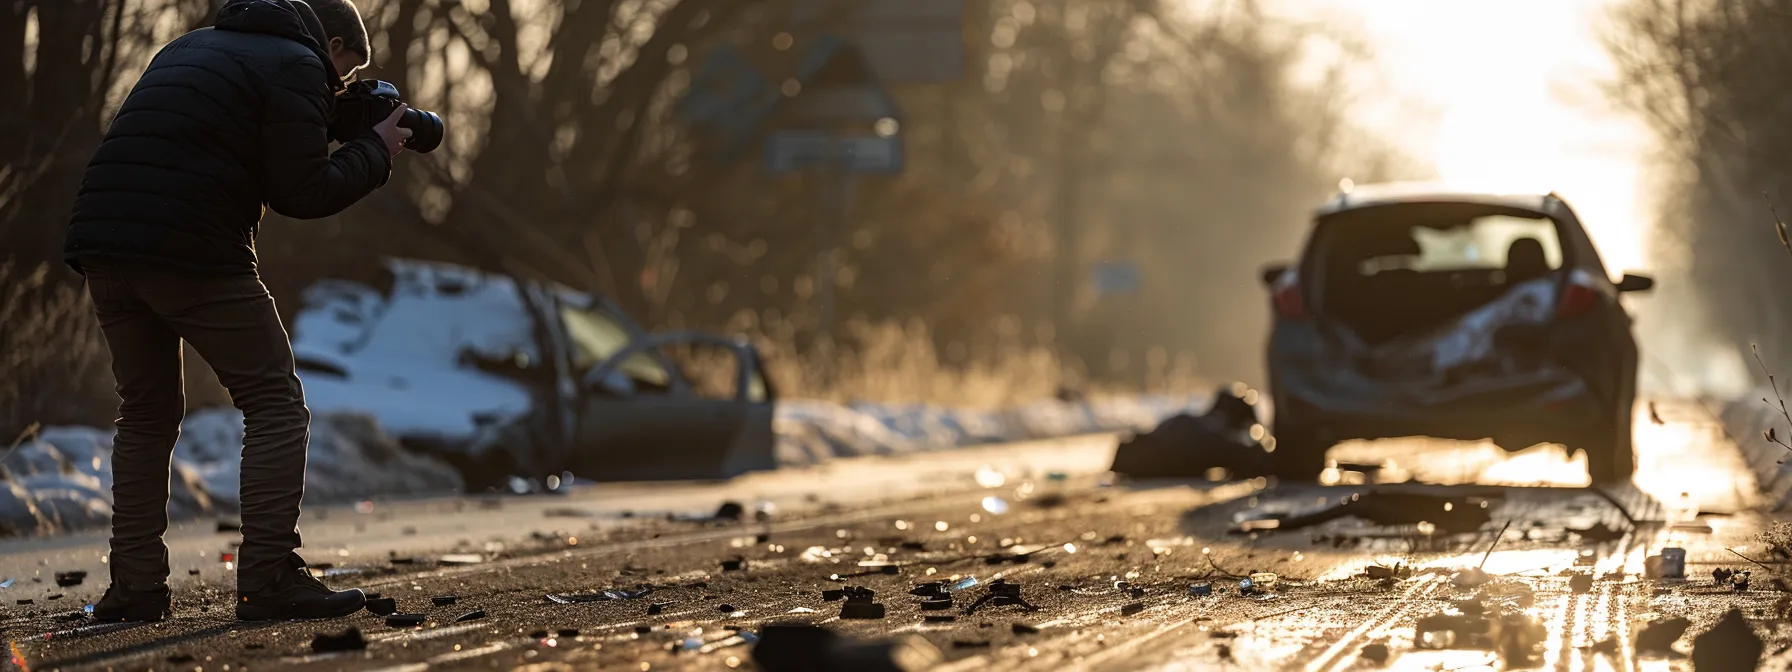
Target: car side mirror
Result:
[[1635, 283], [1273, 272]]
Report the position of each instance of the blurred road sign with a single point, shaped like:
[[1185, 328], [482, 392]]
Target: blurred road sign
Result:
[[1118, 277], [906, 41], [791, 151]]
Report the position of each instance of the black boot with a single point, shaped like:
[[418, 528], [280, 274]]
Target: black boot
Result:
[[122, 605], [295, 594]]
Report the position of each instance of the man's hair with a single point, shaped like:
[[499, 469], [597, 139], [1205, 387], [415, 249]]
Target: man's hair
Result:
[[342, 20]]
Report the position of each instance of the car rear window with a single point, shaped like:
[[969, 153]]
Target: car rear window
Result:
[[1437, 237]]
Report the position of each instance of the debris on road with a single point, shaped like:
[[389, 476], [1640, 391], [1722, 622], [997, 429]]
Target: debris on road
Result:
[[730, 511], [1132, 609], [1459, 514], [1376, 653], [382, 606], [861, 604], [657, 608], [1002, 593], [1224, 441], [473, 615], [70, 579], [444, 600], [347, 640], [793, 647], [1659, 637], [1731, 645], [1200, 590], [607, 595], [1020, 628], [406, 620], [734, 564]]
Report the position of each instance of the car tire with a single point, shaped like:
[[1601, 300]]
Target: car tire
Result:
[[1611, 454], [1299, 456]]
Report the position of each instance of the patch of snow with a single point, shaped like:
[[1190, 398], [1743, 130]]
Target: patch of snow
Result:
[[62, 480]]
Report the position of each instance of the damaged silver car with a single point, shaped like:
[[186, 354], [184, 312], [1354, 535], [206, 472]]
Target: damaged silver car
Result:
[[1418, 311], [503, 377]]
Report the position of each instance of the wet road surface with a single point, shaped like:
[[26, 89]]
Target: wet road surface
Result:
[[1105, 570]]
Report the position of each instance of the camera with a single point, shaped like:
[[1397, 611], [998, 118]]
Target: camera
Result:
[[366, 103]]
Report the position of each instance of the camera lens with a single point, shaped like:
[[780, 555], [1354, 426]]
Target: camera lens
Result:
[[426, 130]]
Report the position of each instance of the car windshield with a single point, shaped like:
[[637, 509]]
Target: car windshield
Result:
[[597, 336]]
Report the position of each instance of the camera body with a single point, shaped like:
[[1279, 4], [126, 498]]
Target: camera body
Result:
[[366, 103]]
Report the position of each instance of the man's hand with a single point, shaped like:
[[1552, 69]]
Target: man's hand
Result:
[[391, 133]]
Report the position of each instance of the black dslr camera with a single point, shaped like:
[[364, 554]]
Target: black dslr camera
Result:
[[366, 103]]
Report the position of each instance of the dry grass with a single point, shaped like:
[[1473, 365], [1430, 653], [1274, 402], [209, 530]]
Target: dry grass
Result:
[[54, 367], [890, 362]]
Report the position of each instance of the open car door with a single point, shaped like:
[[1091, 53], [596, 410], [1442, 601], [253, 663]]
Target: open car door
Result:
[[632, 427]]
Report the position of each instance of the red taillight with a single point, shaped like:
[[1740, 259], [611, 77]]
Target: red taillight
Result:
[[1287, 299], [1578, 297]]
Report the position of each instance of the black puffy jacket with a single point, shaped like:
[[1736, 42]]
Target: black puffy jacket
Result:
[[225, 120]]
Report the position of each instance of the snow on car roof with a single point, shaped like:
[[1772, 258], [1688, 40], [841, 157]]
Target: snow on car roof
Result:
[[1360, 196]]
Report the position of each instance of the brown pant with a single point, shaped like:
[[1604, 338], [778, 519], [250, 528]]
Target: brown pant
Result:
[[145, 312]]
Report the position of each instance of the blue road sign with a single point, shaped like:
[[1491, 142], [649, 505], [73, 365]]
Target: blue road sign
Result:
[[1118, 277]]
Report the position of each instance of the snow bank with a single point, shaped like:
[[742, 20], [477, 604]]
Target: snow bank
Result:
[[62, 480], [816, 431]]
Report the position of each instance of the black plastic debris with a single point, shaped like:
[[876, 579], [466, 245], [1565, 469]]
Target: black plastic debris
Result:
[[347, 640], [1599, 533], [970, 643], [192, 572], [1729, 646], [1132, 609], [657, 608], [939, 618], [1020, 628], [1450, 514], [1135, 592], [929, 590], [473, 615], [734, 564], [25, 601], [567, 632], [1721, 576], [1376, 653], [70, 579], [798, 647], [538, 634], [913, 545], [401, 560], [55, 597], [1580, 584], [1659, 637], [382, 606], [833, 595], [941, 603], [643, 629], [444, 600], [1187, 446], [406, 620], [730, 510], [726, 608], [861, 604], [1001, 593], [1200, 590]]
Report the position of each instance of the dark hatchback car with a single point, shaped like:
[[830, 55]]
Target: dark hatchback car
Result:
[[1419, 311]]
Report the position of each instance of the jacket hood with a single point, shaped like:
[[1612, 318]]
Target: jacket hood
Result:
[[290, 19]]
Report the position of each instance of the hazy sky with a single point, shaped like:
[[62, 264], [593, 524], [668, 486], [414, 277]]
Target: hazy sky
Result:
[[1503, 94]]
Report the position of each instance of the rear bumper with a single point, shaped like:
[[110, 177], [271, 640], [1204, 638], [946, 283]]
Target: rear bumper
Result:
[[1550, 410]]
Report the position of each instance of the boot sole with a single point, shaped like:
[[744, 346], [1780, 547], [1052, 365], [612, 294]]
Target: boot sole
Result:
[[256, 613]]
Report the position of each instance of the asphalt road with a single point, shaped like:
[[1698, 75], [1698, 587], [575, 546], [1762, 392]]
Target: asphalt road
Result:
[[1104, 570]]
